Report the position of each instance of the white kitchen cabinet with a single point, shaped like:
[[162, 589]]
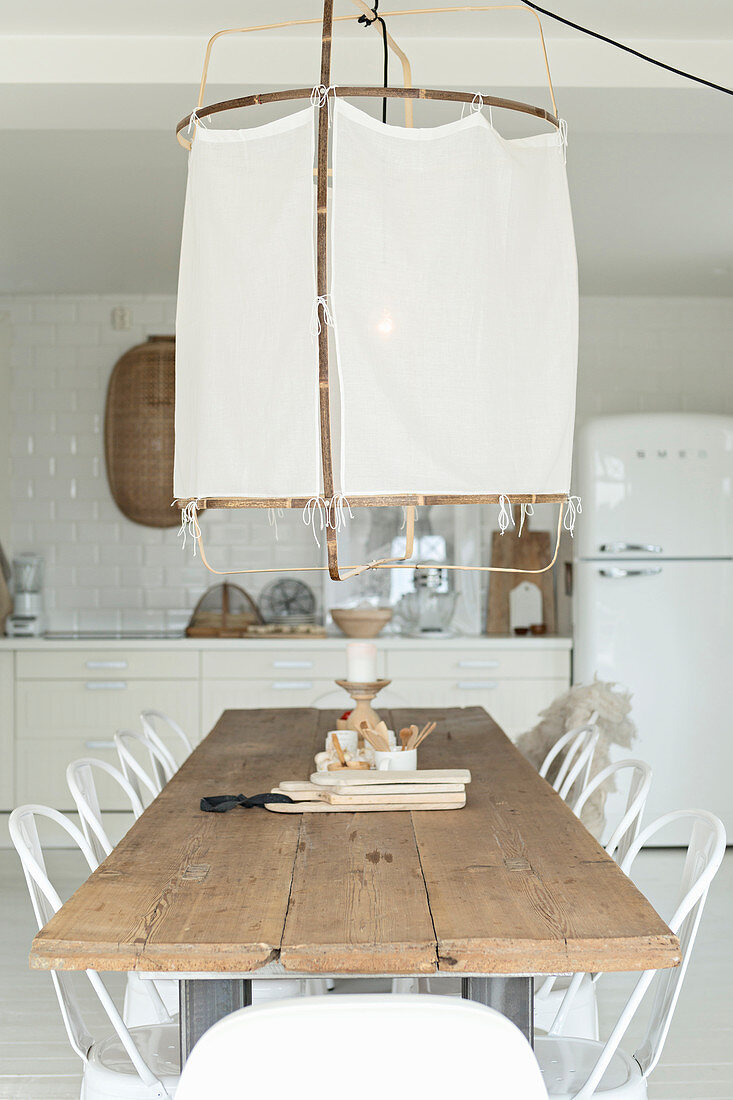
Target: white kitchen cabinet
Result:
[[58, 721], [7, 728], [514, 704]]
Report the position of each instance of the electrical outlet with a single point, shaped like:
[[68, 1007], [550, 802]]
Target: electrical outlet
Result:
[[121, 318]]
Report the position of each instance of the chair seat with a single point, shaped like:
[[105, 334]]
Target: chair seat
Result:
[[109, 1073], [582, 1019], [567, 1063]]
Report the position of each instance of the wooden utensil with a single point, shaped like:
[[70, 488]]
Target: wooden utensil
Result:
[[339, 751], [404, 737]]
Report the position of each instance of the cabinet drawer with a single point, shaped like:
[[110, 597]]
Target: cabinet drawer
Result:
[[41, 776], [296, 663], [515, 705], [476, 664], [220, 695], [54, 710], [106, 664]]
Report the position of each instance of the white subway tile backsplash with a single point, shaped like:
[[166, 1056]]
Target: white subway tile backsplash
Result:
[[54, 310], [106, 573]]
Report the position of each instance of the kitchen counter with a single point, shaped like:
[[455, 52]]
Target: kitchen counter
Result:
[[386, 642]]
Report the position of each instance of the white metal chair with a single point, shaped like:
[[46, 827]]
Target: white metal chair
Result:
[[149, 719], [579, 746], [140, 1063], [582, 1017], [126, 742], [141, 994], [431, 1047], [577, 1069]]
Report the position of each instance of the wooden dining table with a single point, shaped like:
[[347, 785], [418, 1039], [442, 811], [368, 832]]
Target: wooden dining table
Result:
[[508, 887]]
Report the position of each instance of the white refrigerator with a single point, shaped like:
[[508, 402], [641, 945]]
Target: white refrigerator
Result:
[[653, 594]]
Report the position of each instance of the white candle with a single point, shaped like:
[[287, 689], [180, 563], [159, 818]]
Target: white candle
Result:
[[361, 663]]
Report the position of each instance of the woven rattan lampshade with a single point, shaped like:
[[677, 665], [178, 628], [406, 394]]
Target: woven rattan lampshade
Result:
[[139, 433]]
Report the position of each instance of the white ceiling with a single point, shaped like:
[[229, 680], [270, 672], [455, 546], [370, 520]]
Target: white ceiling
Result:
[[92, 185], [624, 19]]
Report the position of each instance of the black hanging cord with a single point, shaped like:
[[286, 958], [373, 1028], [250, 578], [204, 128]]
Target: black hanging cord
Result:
[[367, 22], [628, 49]]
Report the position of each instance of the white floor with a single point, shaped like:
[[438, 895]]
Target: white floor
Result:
[[37, 1063]]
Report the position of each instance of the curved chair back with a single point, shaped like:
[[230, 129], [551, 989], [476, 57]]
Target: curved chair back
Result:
[[130, 745], [638, 774], [80, 781], [46, 902], [579, 746], [149, 719], [476, 1044], [703, 858]]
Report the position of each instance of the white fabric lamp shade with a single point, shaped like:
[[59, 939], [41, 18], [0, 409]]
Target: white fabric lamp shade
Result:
[[246, 361], [453, 300], [455, 303]]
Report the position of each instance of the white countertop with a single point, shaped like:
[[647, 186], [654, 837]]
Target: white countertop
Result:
[[335, 642]]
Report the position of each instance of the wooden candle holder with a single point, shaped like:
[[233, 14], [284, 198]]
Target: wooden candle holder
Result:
[[362, 694]]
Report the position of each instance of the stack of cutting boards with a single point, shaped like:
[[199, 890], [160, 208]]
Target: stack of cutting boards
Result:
[[369, 791]]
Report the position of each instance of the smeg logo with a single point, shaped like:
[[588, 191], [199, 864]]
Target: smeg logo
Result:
[[682, 454]]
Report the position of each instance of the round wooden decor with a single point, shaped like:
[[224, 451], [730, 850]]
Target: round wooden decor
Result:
[[139, 433]]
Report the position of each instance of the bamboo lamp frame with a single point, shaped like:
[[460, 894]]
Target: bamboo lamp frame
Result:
[[408, 94]]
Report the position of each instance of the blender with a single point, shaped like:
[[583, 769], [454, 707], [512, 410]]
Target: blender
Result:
[[27, 619]]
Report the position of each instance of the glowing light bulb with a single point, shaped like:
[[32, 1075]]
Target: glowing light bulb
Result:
[[386, 325]]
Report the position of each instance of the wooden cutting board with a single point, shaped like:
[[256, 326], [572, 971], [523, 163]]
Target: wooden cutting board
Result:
[[308, 792], [368, 779], [360, 807], [532, 551]]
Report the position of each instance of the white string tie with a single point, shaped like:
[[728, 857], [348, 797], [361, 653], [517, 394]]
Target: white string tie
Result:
[[316, 507], [272, 519], [525, 510], [190, 525], [321, 95], [573, 510], [194, 120], [338, 506], [316, 326], [506, 516], [563, 131]]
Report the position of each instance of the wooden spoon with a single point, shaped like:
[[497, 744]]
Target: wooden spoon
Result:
[[404, 737], [339, 751]]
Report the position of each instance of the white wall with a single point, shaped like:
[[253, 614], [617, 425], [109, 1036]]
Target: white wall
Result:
[[636, 354]]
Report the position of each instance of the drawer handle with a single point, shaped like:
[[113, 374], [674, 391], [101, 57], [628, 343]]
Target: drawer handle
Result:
[[292, 685], [99, 744], [477, 685], [292, 664], [105, 685], [106, 664], [478, 664]]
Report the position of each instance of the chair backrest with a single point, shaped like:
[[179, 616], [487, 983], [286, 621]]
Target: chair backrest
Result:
[[149, 719], [703, 858], [622, 833], [130, 744], [46, 902], [80, 780], [574, 771], [475, 1044]]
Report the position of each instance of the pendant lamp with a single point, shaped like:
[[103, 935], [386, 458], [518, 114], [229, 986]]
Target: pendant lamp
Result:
[[404, 336]]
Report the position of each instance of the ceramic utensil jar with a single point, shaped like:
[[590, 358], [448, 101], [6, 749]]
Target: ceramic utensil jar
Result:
[[399, 760]]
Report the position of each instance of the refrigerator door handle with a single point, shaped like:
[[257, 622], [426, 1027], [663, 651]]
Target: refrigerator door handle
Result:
[[616, 574], [630, 548]]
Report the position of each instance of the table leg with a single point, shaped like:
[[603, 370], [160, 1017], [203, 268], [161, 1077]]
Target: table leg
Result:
[[513, 997], [204, 1001]]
